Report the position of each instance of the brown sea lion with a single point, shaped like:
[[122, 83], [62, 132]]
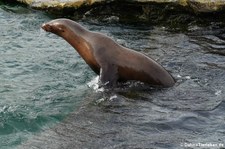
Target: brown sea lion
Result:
[[105, 57]]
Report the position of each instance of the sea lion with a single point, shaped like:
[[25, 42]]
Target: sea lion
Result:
[[105, 57]]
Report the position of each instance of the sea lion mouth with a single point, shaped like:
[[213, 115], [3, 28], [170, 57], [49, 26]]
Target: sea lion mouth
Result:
[[46, 27]]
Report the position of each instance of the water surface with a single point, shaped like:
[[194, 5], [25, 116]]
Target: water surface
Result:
[[36, 89], [46, 101]]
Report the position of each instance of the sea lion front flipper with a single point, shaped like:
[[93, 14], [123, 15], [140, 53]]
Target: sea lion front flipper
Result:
[[108, 75]]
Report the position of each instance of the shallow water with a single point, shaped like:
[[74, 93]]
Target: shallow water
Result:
[[47, 100]]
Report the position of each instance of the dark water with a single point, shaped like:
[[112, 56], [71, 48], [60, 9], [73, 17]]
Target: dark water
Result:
[[48, 98]]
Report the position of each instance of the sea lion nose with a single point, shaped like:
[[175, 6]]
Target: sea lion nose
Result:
[[43, 26], [46, 27]]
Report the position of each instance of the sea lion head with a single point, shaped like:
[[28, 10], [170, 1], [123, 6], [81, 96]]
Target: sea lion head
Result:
[[57, 27], [62, 27]]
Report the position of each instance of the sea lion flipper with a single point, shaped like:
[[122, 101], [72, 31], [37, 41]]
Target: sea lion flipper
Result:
[[108, 75]]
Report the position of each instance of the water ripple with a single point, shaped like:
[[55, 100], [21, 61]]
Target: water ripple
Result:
[[43, 79]]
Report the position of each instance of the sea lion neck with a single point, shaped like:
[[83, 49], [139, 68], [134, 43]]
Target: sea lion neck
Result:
[[77, 37], [76, 28]]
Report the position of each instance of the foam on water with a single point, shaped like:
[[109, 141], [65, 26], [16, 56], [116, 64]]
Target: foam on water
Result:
[[94, 84]]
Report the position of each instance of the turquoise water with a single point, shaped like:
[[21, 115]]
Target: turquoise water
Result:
[[46, 100], [40, 83]]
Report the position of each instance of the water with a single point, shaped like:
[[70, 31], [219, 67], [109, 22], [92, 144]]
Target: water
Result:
[[48, 95], [36, 89]]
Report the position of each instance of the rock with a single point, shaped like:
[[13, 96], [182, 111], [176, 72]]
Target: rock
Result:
[[195, 5], [206, 5], [60, 4]]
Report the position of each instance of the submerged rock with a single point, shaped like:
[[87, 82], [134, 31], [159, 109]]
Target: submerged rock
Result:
[[194, 5]]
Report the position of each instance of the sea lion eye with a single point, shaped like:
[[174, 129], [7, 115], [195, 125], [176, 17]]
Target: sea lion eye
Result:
[[61, 29]]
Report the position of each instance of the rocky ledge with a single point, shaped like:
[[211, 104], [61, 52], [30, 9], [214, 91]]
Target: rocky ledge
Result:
[[198, 6]]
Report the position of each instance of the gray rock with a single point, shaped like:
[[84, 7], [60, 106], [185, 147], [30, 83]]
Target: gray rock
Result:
[[195, 5]]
